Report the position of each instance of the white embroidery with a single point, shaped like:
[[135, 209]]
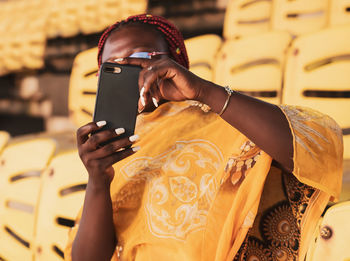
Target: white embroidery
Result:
[[299, 116], [181, 185]]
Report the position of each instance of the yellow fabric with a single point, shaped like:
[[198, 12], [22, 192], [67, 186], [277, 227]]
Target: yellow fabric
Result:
[[193, 190], [318, 149]]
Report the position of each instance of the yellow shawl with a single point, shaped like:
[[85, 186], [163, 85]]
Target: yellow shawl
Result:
[[193, 190]]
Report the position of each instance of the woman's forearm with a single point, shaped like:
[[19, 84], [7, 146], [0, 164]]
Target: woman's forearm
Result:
[[95, 239], [263, 123]]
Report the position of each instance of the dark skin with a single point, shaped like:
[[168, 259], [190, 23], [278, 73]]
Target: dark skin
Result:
[[261, 122]]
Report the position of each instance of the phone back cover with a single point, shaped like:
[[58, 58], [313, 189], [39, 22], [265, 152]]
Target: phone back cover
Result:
[[117, 97]]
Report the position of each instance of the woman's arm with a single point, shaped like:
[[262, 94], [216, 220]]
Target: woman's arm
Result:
[[263, 123], [95, 239]]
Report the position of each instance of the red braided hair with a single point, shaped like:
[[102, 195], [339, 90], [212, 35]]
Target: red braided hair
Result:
[[171, 34]]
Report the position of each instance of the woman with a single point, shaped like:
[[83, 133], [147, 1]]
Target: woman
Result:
[[197, 182]]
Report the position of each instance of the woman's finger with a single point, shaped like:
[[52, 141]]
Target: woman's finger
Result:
[[113, 147], [144, 63], [118, 156], [84, 131], [95, 140]]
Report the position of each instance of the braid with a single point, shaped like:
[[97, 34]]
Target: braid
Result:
[[171, 34]]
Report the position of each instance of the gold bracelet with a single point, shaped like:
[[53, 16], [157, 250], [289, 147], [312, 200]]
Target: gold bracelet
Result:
[[229, 93]]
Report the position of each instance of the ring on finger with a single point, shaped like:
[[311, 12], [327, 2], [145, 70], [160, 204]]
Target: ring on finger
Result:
[[149, 68]]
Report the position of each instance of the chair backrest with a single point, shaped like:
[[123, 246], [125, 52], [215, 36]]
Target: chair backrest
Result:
[[20, 172], [299, 16], [88, 16], [317, 75], [202, 51], [4, 137], [132, 7], [339, 12], [247, 17], [254, 65], [61, 197], [333, 237], [83, 87]]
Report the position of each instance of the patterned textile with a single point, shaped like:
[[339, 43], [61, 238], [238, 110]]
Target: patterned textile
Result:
[[198, 185]]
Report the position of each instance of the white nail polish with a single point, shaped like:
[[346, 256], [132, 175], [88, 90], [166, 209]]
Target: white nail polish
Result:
[[119, 131], [143, 101], [134, 138], [141, 97], [155, 102], [101, 123], [137, 148], [119, 59]]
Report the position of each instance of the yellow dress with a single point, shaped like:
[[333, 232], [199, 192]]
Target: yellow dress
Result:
[[193, 191]]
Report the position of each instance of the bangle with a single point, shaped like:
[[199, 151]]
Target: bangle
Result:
[[229, 93]]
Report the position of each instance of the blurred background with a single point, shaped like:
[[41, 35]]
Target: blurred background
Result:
[[282, 51]]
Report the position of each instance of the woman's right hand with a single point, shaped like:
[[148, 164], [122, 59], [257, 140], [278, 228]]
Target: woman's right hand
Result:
[[98, 159]]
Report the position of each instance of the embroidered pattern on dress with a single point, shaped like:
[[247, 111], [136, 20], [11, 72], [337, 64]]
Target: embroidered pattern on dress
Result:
[[237, 167], [280, 225], [180, 187], [299, 116]]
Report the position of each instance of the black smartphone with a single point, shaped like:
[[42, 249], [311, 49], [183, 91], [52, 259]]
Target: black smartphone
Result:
[[117, 97]]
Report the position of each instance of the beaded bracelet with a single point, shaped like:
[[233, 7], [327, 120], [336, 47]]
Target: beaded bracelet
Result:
[[229, 93]]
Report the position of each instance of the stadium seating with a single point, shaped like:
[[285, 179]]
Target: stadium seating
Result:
[[109, 11], [132, 7], [300, 16], [67, 17], [61, 197], [317, 75], [246, 17], [333, 235], [254, 65], [88, 17], [82, 87], [202, 58], [20, 171], [339, 12]]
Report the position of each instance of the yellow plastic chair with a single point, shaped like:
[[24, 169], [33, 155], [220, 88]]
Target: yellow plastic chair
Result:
[[34, 36], [53, 19], [317, 76], [82, 87], [202, 51], [61, 197], [300, 16], [89, 21], [247, 17], [339, 12], [254, 65], [109, 12], [333, 235], [20, 171], [4, 137], [132, 7], [67, 17]]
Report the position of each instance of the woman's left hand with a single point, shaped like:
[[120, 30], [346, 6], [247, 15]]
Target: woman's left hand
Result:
[[164, 79]]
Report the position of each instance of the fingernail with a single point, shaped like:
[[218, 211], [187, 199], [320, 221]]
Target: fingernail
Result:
[[137, 148], [119, 131], [155, 102], [141, 110], [143, 101], [134, 138], [101, 123], [119, 59]]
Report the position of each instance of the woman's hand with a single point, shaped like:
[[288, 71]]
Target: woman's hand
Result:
[[164, 79], [97, 155]]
